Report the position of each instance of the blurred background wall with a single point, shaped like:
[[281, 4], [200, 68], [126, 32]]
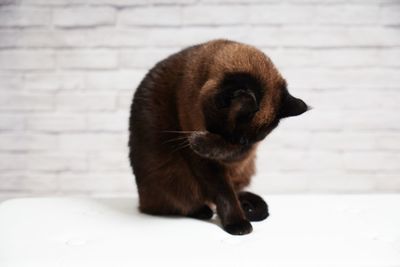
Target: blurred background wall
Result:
[[69, 68]]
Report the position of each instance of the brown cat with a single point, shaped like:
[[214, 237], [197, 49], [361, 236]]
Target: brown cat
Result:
[[196, 120]]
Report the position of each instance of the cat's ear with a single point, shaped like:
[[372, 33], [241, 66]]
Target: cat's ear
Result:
[[292, 106]]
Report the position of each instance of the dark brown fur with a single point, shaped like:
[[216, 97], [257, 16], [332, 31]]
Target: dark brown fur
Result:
[[196, 120]]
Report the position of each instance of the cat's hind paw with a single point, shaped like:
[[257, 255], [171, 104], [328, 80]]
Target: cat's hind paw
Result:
[[254, 207], [203, 213]]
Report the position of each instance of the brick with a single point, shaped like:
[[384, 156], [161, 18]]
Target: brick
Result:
[[344, 99], [348, 140], [373, 120], [124, 100], [120, 3], [388, 182], [9, 183], [306, 181], [26, 102], [11, 122], [28, 38], [214, 15], [11, 81], [281, 14], [315, 120], [280, 182], [342, 182], [334, 58], [9, 38], [189, 36], [85, 101], [238, 1], [331, 2], [347, 14], [115, 37], [114, 161], [54, 81], [12, 162], [282, 138], [43, 162], [143, 58], [9, 2], [151, 16], [112, 80], [87, 59], [26, 59], [26, 183], [338, 79], [58, 123], [373, 161], [97, 183], [294, 159], [71, 38], [84, 16], [12, 16], [389, 57], [117, 121], [27, 142], [390, 14], [324, 120], [387, 141], [349, 58], [93, 142], [57, 38], [56, 162], [54, 3], [161, 37], [175, 2], [156, 37], [290, 58], [327, 36]]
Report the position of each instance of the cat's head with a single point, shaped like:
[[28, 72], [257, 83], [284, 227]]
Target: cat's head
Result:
[[246, 110], [240, 110]]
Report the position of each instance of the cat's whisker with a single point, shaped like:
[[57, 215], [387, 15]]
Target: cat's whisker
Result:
[[181, 146], [181, 132], [174, 139]]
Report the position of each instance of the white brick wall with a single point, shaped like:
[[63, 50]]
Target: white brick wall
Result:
[[68, 70]]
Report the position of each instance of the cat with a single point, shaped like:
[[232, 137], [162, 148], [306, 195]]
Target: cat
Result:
[[196, 120]]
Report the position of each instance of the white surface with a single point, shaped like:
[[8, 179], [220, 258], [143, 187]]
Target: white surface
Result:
[[312, 230]]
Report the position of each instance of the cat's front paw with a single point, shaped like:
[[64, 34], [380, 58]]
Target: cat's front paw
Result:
[[242, 227]]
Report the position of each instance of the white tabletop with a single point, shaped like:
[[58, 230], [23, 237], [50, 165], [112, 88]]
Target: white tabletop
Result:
[[313, 230]]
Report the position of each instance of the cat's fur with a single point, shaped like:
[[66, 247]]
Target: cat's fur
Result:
[[196, 120]]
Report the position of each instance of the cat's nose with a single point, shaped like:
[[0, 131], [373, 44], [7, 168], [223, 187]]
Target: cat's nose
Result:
[[243, 141], [239, 140]]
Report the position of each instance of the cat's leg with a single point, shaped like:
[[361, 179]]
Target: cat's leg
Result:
[[154, 201], [232, 217], [202, 213], [218, 189], [163, 209], [254, 207]]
